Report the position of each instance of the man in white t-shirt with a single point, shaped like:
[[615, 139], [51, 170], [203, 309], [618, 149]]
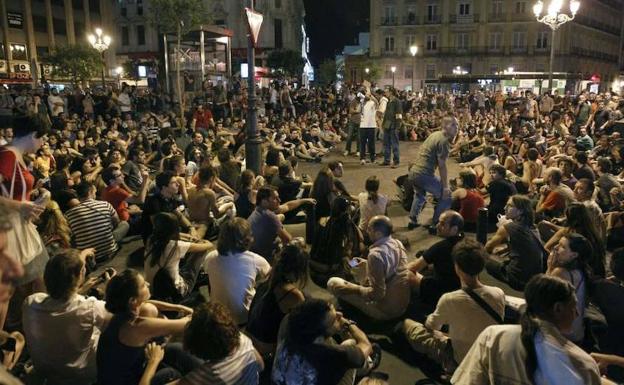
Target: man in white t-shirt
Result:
[[465, 317], [125, 104], [63, 327], [56, 103], [381, 110], [368, 125]]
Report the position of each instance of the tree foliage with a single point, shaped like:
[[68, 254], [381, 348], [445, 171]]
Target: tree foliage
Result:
[[77, 62], [327, 72], [374, 70], [287, 61], [167, 15]]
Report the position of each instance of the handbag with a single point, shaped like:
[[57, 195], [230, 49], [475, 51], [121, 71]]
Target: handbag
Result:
[[23, 240]]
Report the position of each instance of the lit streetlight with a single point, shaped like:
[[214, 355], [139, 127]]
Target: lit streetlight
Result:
[[393, 69], [554, 18], [413, 50], [100, 43]]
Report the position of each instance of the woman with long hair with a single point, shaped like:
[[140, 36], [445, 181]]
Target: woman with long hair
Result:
[[167, 247], [371, 202], [278, 296], [467, 199], [53, 228], [324, 191], [526, 252], [506, 159], [536, 351], [579, 221]]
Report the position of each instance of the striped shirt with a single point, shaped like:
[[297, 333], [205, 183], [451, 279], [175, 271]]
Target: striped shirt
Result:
[[240, 368], [91, 224]]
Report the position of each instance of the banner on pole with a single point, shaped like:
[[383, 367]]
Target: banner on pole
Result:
[[254, 21]]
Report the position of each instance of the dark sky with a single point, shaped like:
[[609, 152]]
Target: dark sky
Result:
[[332, 24]]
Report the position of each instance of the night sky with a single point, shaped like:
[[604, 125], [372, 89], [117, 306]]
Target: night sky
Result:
[[332, 24]]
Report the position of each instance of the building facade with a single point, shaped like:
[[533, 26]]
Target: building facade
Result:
[[31, 28], [485, 37]]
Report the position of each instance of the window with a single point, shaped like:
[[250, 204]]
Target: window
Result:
[[464, 9], [430, 71], [40, 23], [410, 40], [432, 42], [409, 72], [18, 52], [77, 4], [411, 14], [519, 40], [2, 53], [278, 3], [389, 44], [279, 38], [123, 11], [496, 40], [497, 7], [388, 71], [125, 36], [80, 29], [94, 6], [140, 35], [42, 51], [461, 40], [389, 16], [520, 7], [542, 39], [139, 10], [432, 12], [60, 28]]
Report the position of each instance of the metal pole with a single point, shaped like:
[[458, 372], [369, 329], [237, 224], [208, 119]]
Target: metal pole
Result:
[[392, 79], [202, 54], [103, 69], [252, 145], [166, 50], [413, 70], [552, 60]]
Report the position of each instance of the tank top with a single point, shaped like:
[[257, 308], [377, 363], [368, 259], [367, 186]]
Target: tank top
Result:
[[265, 315], [117, 363], [470, 205], [244, 207], [15, 177], [525, 253]]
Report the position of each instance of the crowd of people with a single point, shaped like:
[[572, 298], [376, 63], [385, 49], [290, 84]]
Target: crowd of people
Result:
[[218, 289]]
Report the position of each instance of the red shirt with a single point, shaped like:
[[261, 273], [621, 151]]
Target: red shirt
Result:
[[470, 205], [24, 180], [202, 118], [117, 196]]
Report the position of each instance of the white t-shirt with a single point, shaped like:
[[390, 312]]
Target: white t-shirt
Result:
[[466, 319], [368, 115], [54, 109], [233, 279], [170, 259], [383, 102], [369, 209], [63, 336], [125, 105]]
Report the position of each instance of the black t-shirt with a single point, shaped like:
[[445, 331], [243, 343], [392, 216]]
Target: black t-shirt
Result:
[[443, 268], [500, 191], [584, 171], [287, 187], [155, 204], [609, 296]]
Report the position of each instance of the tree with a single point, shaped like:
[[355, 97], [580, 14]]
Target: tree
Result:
[[80, 63], [374, 70], [179, 17], [130, 70], [327, 72], [287, 61]]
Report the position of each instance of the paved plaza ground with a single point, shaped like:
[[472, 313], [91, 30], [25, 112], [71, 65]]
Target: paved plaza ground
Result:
[[402, 370]]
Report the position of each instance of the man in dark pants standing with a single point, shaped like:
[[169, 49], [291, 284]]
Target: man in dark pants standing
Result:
[[390, 125], [355, 115], [368, 124]]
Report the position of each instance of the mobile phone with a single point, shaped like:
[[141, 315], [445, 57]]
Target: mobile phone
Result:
[[354, 262]]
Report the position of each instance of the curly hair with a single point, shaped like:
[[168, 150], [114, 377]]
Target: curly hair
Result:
[[211, 334], [234, 236]]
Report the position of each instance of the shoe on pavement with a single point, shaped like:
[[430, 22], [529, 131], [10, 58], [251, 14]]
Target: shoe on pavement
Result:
[[346, 153], [394, 165], [362, 162], [383, 164], [433, 230], [357, 153], [412, 225]]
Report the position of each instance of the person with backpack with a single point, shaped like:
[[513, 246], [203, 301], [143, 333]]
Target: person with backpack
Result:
[[466, 315]]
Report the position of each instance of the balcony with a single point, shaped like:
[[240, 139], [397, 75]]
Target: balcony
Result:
[[583, 52], [464, 19], [411, 19], [497, 17], [389, 21], [522, 17], [433, 19], [595, 24], [518, 50]]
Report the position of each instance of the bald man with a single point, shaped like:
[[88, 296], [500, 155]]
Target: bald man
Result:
[[385, 292]]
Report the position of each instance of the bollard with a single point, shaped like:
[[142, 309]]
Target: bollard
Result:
[[482, 225], [310, 223]]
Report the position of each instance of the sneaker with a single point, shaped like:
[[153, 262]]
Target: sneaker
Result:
[[433, 230], [346, 153], [383, 164], [357, 153], [375, 356], [412, 225], [362, 162], [394, 165]]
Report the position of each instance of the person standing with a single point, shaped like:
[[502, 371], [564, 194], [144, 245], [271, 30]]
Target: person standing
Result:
[[368, 125], [355, 116], [432, 154], [391, 123]]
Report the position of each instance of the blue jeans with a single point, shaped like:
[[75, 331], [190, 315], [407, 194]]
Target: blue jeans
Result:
[[352, 133], [391, 144], [427, 184], [367, 140]]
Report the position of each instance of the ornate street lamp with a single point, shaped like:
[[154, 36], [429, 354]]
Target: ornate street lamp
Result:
[[393, 69], [413, 50], [100, 43], [554, 18]]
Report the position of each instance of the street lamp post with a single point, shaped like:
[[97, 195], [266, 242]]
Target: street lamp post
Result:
[[413, 51], [393, 69], [100, 43], [253, 153], [554, 18]]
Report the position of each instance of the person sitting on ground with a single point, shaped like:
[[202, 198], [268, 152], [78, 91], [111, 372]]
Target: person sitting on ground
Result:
[[306, 349], [165, 251], [385, 293], [606, 181], [444, 279], [221, 353], [500, 190], [123, 346], [125, 202], [229, 168], [526, 253], [246, 201], [467, 199], [554, 196], [337, 170], [203, 209], [324, 191], [95, 223], [465, 317], [276, 297], [371, 202], [234, 271], [534, 352], [65, 318]]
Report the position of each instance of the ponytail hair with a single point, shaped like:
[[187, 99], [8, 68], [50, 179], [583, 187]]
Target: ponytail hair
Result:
[[372, 187], [542, 292]]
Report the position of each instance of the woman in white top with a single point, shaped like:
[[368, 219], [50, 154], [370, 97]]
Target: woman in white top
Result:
[[165, 250], [371, 202]]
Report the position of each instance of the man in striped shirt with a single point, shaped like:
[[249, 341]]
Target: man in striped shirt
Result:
[[95, 223]]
